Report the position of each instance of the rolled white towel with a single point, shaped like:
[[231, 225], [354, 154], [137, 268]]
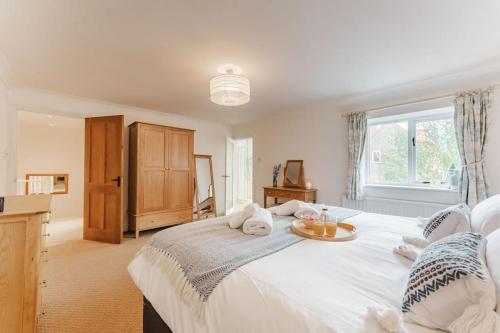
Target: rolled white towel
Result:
[[236, 220], [406, 251], [417, 241], [422, 221], [306, 209], [259, 224], [387, 317]]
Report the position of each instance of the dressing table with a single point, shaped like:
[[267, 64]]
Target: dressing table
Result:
[[293, 185]]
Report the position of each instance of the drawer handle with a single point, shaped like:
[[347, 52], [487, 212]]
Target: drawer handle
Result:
[[46, 235], [43, 284], [44, 251]]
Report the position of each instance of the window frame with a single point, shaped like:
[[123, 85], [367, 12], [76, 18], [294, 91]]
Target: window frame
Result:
[[412, 119]]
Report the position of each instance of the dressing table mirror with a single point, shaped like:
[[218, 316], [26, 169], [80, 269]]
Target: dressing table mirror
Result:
[[294, 174], [204, 194], [294, 186]]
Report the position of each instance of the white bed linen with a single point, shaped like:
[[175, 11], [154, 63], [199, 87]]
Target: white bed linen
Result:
[[311, 286]]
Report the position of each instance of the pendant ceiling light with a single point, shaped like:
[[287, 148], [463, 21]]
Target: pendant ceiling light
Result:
[[230, 88]]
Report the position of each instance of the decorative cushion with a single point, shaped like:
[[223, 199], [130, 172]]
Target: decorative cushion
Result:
[[449, 276], [485, 217], [447, 221], [493, 261]]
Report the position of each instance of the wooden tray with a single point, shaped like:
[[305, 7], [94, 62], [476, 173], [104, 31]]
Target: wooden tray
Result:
[[345, 232]]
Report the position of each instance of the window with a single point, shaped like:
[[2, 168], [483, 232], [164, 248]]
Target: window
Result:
[[412, 149]]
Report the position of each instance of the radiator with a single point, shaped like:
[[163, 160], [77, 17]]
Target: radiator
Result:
[[394, 206]]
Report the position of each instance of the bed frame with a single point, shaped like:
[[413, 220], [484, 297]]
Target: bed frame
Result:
[[151, 320]]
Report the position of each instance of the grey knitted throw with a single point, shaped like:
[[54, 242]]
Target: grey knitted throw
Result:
[[197, 256]]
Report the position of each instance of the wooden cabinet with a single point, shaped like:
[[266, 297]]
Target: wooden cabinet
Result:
[[161, 179], [21, 248]]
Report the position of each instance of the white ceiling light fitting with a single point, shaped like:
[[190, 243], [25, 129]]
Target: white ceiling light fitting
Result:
[[230, 88]]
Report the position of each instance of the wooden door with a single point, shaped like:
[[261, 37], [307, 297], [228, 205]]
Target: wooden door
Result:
[[103, 191], [180, 177], [153, 169]]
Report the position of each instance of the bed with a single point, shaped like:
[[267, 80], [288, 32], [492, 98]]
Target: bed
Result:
[[311, 286]]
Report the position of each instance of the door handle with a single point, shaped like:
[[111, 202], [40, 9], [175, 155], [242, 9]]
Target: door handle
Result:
[[225, 176], [118, 181]]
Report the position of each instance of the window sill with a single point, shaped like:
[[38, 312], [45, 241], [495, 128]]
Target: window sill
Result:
[[412, 193], [409, 187]]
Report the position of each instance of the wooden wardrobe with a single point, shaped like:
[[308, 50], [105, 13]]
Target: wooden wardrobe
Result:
[[161, 181]]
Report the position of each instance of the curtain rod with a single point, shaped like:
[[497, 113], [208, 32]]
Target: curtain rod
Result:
[[491, 88]]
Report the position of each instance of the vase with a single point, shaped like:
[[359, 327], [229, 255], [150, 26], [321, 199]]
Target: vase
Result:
[[275, 183]]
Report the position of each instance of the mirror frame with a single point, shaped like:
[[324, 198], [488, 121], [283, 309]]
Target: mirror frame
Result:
[[65, 175], [301, 183], [196, 194]]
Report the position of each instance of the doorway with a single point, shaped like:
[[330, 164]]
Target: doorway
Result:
[[239, 173], [50, 155], [80, 162]]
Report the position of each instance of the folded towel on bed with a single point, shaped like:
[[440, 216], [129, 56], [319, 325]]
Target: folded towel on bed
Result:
[[259, 224], [300, 208], [417, 241], [305, 209], [406, 251], [236, 220], [294, 207], [388, 317], [286, 209]]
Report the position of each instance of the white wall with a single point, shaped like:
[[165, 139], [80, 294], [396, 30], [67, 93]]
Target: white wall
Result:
[[318, 135], [42, 148], [210, 137]]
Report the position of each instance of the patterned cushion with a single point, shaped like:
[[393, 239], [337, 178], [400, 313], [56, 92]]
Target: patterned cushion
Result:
[[449, 276], [447, 221]]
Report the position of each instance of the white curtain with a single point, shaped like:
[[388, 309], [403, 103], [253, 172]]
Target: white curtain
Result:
[[471, 127], [357, 138]]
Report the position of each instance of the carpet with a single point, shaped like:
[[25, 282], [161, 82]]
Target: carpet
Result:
[[89, 288]]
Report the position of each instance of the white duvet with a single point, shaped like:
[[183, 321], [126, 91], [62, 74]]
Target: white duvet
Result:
[[311, 286]]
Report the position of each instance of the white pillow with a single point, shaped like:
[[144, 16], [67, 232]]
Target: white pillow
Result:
[[288, 208], [493, 261], [485, 217], [447, 222], [306, 209], [449, 276]]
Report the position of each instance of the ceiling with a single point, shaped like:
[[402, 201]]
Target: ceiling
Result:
[[161, 54]]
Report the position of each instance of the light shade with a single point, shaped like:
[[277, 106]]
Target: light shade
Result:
[[230, 89]]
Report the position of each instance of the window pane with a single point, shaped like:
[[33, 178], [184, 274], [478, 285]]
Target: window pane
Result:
[[436, 150], [388, 153]]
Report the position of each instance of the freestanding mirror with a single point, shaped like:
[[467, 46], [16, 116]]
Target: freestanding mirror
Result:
[[294, 174], [204, 194]]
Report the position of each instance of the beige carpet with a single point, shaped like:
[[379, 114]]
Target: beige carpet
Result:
[[89, 289]]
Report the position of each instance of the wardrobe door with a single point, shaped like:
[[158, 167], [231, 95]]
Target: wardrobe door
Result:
[[180, 193], [154, 173]]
